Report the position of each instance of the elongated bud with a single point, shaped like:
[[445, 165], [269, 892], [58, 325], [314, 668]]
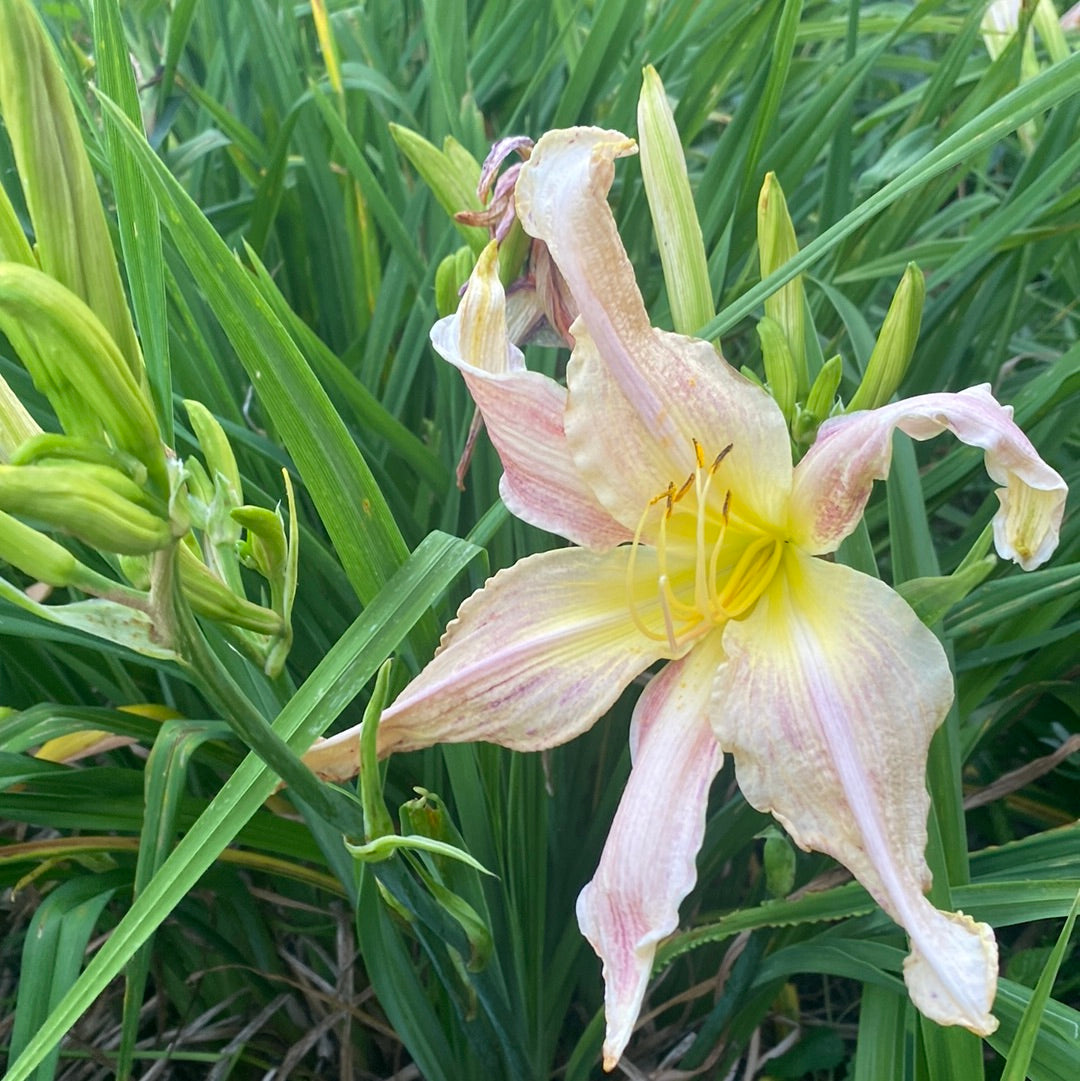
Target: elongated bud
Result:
[[71, 234], [776, 246], [54, 447], [34, 553], [779, 366], [822, 396], [820, 402], [671, 203], [216, 448], [77, 365], [452, 174], [43, 559], [895, 343], [212, 599], [86, 502]]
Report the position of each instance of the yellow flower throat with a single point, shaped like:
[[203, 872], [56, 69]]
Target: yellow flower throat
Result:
[[711, 564]]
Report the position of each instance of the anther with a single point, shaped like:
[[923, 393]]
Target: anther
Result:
[[720, 457], [727, 505], [698, 453], [687, 485]]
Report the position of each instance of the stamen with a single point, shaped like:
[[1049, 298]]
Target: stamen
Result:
[[714, 556], [698, 453], [669, 625], [631, 567], [687, 485], [720, 457]]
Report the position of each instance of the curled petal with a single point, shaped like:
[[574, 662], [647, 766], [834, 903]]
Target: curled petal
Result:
[[523, 412], [833, 481], [532, 660], [499, 152], [828, 701], [655, 391], [647, 866]]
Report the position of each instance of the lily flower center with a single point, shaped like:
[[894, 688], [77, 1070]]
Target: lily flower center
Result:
[[712, 564]]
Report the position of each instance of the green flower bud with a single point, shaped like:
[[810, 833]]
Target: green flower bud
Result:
[[452, 174], [820, 402], [214, 443], [264, 549], [93, 503], [452, 273], [780, 371], [777, 246], [34, 553], [895, 343], [211, 598], [49, 446], [671, 203], [77, 365], [40, 557], [71, 234]]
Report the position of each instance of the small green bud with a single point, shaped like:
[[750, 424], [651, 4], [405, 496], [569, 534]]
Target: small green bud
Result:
[[780, 371], [776, 246], [216, 449], [452, 273], [820, 402], [264, 548], [895, 343], [452, 174], [671, 203]]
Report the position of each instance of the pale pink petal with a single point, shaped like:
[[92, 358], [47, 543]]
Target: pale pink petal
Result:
[[829, 698], [833, 481], [523, 412], [626, 465], [532, 660], [655, 391], [647, 866]]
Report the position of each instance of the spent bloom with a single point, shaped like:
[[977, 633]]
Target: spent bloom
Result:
[[696, 543]]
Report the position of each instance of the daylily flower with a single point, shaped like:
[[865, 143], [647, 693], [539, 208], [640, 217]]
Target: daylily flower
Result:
[[697, 544]]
